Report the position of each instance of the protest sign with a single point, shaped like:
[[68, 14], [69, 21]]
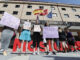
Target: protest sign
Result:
[[10, 21], [27, 25], [50, 32]]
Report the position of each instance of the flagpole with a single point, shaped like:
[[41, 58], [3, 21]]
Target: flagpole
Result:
[[37, 19], [51, 8]]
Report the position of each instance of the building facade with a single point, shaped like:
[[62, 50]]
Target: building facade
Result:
[[62, 14]]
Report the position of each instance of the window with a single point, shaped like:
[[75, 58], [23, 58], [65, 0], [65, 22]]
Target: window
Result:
[[1, 12], [29, 6], [17, 6], [74, 10], [77, 16], [64, 9], [28, 13], [53, 8], [41, 7], [5, 5], [66, 15], [54, 15], [15, 12]]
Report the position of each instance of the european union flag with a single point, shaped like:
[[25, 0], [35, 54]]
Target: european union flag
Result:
[[50, 14]]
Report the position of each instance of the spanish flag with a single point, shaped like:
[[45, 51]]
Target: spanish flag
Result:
[[37, 11], [40, 11]]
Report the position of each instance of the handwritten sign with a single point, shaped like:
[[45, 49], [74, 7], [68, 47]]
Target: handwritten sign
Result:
[[10, 21], [50, 32], [27, 25]]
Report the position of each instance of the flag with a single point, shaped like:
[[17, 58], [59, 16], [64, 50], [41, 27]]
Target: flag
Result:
[[37, 11], [40, 12], [50, 14], [44, 13]]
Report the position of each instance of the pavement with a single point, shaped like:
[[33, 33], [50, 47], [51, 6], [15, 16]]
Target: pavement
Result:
[[42, 56]]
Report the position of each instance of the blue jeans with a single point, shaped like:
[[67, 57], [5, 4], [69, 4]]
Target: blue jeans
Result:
[[5, 38], [57, 42]]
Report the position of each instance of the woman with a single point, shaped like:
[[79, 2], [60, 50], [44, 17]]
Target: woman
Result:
[[6, 36], [62, 38], [36, 37], [71, 40], [46, 43], [25, 34]]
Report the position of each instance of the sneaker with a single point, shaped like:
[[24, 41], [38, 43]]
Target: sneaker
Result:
[[38, 53], [1, 50], [5, 53], [34, 53], [54, 53], [47, 53], [50, 53], [75, 51]]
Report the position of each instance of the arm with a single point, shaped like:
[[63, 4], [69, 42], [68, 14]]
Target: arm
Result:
[[32, 28], [41, 28]]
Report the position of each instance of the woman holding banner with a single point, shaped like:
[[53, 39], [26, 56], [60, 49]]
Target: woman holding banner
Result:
[[46, 43], [25, 34], [6, 36], [11, 23]]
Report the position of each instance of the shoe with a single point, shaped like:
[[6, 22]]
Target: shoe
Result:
[[34, 53], [47, 53], [54, 53], [5, 53], [63, 51], [75, 51], [1, 50], [38, 53], [58, 51], [50, 53]]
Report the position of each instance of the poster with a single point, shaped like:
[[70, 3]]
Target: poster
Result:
[[50, 32], [27, 25], [10, 21]]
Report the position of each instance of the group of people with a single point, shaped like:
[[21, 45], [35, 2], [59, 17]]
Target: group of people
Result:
[[65, 36]]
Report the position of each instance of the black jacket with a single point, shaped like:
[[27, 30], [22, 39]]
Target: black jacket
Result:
[[62, 36]]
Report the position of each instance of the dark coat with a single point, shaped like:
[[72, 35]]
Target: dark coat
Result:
[[62, 36]]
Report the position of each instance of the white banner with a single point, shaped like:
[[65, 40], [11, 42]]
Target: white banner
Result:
[[10, 21]]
